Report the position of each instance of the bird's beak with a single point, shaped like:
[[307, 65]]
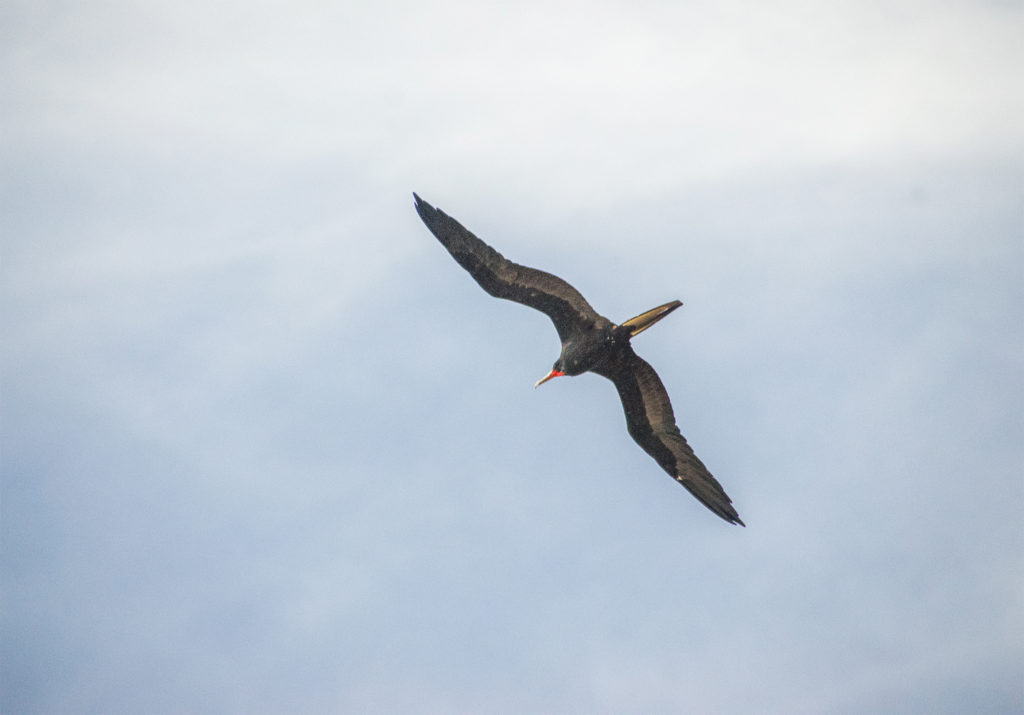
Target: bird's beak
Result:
[[550, 375]]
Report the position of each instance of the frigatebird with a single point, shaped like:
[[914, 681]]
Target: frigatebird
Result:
[[590, 343]]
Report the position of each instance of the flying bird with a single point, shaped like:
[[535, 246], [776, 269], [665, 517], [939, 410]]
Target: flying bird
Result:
[[590, 343]]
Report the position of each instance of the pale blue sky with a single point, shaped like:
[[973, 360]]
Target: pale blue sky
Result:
[[266, 448]]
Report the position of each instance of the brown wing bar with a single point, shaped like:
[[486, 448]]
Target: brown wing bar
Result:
[[502, 278], [652, 424]]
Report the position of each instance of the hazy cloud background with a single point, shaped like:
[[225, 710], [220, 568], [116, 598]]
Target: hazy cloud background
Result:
[[267, 448]]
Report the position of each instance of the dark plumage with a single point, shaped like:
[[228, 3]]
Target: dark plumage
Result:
[[590, 343]]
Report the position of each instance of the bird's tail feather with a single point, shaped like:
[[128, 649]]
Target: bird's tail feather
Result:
[[645, 320]]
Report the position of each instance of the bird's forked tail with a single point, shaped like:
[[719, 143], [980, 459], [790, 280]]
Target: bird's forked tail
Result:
[[645, 320]]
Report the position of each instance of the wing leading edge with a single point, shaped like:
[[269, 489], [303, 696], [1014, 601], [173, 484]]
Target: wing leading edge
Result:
[[502, 278], [652, 424]]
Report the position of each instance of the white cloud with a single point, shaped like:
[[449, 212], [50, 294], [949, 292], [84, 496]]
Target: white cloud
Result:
[[658, 93]]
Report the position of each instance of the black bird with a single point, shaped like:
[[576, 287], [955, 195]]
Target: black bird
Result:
[[590, 343]]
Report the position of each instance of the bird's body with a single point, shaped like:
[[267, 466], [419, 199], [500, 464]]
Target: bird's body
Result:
[[590, 343]]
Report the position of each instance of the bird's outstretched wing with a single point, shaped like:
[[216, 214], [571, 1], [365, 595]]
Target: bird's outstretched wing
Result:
[[502, 278], [652, 424]]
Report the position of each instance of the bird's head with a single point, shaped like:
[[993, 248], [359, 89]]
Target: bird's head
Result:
[[555, 372], [559, 369], [577, 357]]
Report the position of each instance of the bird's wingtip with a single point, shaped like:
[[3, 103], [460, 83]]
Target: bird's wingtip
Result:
[[422, 207], [729, 514]]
